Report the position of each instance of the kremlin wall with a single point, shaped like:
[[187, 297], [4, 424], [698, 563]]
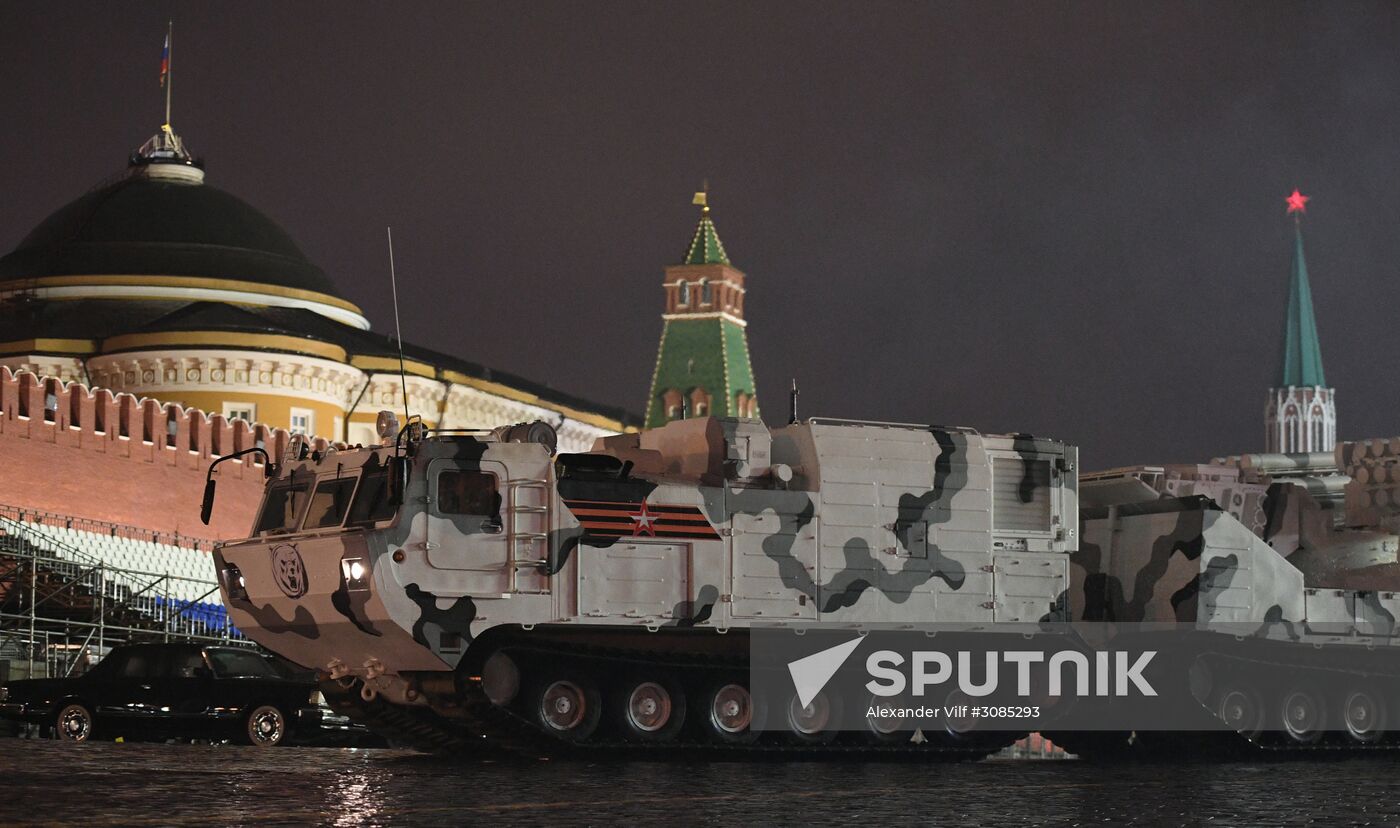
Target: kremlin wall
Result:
[[99, 456]]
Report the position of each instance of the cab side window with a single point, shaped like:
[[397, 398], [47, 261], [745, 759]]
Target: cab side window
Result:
[[469, 492], [372, 502]]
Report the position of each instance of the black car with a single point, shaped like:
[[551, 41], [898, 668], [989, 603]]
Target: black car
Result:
[[173, 690]]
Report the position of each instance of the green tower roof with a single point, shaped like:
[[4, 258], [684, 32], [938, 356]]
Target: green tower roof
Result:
[[1302, 353], [705, 248]]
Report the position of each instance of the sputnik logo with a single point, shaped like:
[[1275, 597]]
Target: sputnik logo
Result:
[[810, 674], [644, 520]]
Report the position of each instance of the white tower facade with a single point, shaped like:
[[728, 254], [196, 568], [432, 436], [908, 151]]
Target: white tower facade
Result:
[[1301, 419]]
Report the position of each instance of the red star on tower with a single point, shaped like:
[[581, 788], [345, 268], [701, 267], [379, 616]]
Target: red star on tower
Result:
[[1297, 203]]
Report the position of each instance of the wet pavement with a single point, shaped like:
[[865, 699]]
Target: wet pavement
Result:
[[44, 782]]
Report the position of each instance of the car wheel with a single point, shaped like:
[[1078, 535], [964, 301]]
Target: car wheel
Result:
[[265, 726], [73, 724]]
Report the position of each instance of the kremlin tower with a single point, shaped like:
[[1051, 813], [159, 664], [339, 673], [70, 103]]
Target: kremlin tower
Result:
[[702, 365], [1301, 415]]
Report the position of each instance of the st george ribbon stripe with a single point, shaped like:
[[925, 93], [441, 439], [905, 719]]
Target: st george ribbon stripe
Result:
[[620, 519]]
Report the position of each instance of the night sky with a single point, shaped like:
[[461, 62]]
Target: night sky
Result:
[[1061, 218]]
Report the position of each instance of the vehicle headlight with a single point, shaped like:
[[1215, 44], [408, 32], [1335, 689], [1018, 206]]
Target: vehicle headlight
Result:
[[356, 573], [316, 700], [234, 583]]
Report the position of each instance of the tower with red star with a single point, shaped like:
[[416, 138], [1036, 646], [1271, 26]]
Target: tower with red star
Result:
[[1301, 414]]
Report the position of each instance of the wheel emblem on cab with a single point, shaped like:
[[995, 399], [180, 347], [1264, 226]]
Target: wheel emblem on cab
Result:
[[288, 570]]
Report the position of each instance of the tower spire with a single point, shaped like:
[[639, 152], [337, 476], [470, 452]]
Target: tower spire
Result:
[[1302, 352], [705, 246], [1301, 415]]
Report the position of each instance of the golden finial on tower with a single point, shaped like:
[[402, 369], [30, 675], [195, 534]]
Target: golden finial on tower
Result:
[[702, 198]]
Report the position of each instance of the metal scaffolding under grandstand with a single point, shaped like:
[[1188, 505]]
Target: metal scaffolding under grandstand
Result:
[[71, 588]]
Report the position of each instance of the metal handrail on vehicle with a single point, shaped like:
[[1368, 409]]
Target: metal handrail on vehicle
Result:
[[882, 424]]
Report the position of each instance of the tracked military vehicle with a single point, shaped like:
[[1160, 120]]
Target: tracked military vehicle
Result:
[[1277, 577], [466, 591]]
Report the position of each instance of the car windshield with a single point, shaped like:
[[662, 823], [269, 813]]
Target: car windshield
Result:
[[240, 664], [288, 670]]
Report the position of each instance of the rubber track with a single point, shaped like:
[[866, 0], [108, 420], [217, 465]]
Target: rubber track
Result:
[[1277, 743], [1269, 743]]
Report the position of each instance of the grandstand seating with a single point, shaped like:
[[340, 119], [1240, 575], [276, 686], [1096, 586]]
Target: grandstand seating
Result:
[[144, 583]]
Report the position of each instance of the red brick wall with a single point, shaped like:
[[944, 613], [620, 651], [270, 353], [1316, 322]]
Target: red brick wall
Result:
[[72, 458]]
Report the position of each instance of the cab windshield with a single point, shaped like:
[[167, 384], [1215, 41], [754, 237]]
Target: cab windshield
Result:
[[282, 505], [330, 502]]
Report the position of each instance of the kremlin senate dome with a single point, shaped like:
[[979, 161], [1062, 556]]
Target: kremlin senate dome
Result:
[[159, 284], [151, 222]]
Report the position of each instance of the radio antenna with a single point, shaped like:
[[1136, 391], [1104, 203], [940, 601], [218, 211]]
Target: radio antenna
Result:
[[398, 330], [792, 403]]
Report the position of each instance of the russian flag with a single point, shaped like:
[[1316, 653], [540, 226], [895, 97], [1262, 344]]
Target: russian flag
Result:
[[165, 61]]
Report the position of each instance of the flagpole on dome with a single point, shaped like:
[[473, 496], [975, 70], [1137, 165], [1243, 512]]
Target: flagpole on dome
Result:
[[164, 155], [167, 78]]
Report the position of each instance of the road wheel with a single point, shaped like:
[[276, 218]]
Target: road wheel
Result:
[[1364, 714], [729, 713], [1241, 711], [1304, 714], [889, 729], [73, 724], [814, 723], [567, 708], [961, 725], [650, 710], [265, 726]]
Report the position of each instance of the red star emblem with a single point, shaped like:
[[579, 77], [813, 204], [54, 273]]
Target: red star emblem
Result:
[[1297, 203], [644, 520]]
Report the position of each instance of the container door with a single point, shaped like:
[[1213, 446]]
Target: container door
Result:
[[635, 579], [467, 523]]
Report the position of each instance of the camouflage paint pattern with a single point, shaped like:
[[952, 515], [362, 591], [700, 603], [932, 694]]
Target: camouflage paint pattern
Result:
[[811, 523]]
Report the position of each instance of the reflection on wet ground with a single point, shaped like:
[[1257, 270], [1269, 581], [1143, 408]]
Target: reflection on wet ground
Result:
[[134, 784]]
